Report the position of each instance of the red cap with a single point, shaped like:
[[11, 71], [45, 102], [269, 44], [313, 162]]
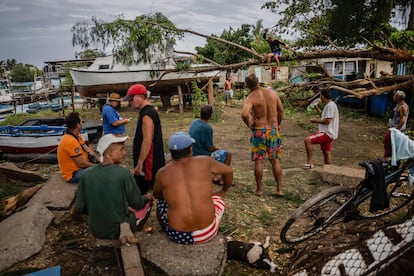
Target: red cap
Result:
[[136, 89]]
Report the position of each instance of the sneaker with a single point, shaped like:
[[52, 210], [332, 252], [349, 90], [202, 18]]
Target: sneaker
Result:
[[307, 166]]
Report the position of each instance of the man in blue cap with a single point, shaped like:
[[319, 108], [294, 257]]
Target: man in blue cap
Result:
[[188, 208]]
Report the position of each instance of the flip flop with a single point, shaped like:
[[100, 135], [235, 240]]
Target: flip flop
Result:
[[308, 166]]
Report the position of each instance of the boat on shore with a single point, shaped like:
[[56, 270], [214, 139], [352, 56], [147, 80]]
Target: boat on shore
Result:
[[6, 108], [94, 129], [105, 75], [6, 96], [23, 143], [38, 139]]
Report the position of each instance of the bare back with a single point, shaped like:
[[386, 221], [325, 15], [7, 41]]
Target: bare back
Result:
[[186, 186], [228, 85], [265, 108]]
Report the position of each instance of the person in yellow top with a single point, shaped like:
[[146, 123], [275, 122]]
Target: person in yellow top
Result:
[[72, 152]]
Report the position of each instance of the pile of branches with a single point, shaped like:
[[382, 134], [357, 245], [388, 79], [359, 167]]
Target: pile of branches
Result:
[[359, 88]]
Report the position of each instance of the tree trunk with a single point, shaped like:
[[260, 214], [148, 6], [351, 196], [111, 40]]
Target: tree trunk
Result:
[[410, 25]]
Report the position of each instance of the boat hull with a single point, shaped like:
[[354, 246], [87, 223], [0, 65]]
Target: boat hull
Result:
[[91, 83], [29, 140]]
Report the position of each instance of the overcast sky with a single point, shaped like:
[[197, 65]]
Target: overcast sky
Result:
[[34, 31]]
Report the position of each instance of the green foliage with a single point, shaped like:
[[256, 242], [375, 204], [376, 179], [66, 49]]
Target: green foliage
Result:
[[133, 41], [241, 94], [68, 81], [8, 64], [228, 54], [260, 45], [404, 40], [343, 22], [16, 119], [89, 54], [24, 73], [199, 98], [182, 67]]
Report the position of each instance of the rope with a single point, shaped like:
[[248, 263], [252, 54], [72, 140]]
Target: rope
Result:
[[28, 161]]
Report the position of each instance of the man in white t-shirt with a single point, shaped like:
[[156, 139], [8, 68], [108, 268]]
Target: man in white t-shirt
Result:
[[328, 129]]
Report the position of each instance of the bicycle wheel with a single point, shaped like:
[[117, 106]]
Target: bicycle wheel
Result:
[[315, 214], [86, 106], [399, 194]]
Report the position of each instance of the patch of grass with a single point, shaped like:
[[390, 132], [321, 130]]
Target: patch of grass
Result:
[[266, 217], [308, 126], [9, 190]]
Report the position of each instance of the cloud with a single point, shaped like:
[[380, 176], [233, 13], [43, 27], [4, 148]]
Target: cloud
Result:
[[39, 30]]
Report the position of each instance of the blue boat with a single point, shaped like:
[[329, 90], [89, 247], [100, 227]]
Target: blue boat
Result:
[[36, 107]]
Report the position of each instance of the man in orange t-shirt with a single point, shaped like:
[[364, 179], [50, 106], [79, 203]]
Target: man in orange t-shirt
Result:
[[72, 152]]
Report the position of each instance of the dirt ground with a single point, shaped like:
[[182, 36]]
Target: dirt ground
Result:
[[247, 217]]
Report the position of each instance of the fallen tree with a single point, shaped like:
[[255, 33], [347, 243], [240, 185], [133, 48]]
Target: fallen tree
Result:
[[153, 31]]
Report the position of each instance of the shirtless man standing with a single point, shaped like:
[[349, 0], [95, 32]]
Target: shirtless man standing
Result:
[[228, 90], [262, 113], [188, 209]]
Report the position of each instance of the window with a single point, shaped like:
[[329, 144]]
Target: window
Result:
[[338, 70], [103, 66]]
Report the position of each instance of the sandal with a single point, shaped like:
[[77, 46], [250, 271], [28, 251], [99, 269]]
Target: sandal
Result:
[[307, 166]]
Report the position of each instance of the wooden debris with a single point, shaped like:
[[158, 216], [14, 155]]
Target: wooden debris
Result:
[[130, 253], [9, 204], [12, 171]]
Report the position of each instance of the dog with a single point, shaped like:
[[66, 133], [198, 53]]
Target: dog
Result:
[[253, 253]]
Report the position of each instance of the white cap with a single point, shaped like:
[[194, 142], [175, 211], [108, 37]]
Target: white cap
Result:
[[107, 140]]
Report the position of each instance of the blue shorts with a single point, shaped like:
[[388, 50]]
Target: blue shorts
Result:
[[76, 176], [279, 53], [220, 155]]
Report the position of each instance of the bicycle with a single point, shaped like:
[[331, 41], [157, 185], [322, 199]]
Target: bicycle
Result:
[[89, 104], [349, 203]]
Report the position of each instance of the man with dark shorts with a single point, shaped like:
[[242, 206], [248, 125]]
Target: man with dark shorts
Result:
[[262, 113], [327, 132], [275, 49], [148, 146]]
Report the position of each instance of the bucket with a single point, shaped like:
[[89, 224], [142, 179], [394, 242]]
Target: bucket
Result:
[[379, 103]]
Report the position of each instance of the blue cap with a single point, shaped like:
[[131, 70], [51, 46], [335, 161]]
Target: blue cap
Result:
[[180, 140]]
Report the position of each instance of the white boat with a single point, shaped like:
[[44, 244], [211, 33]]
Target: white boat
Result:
[[39, 87], [6, 96], [104, 76]]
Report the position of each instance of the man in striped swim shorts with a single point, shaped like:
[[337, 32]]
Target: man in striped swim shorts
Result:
[[188, 209], [262, 113]]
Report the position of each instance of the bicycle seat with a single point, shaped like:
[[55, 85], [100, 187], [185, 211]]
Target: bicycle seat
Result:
[[368, 167]]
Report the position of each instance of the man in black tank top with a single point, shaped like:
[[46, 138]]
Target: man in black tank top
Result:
[[148, 146]]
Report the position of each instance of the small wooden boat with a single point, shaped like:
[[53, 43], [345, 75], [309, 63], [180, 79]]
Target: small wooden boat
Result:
[[36, 107], [20, 143], [94, 129]]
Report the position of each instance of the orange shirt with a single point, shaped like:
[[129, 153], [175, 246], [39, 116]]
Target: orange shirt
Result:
[[68, 148]]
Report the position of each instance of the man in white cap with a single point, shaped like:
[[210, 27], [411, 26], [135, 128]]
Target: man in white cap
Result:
[[112, 122], [108, 193], [188, 208], [148, 146]]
